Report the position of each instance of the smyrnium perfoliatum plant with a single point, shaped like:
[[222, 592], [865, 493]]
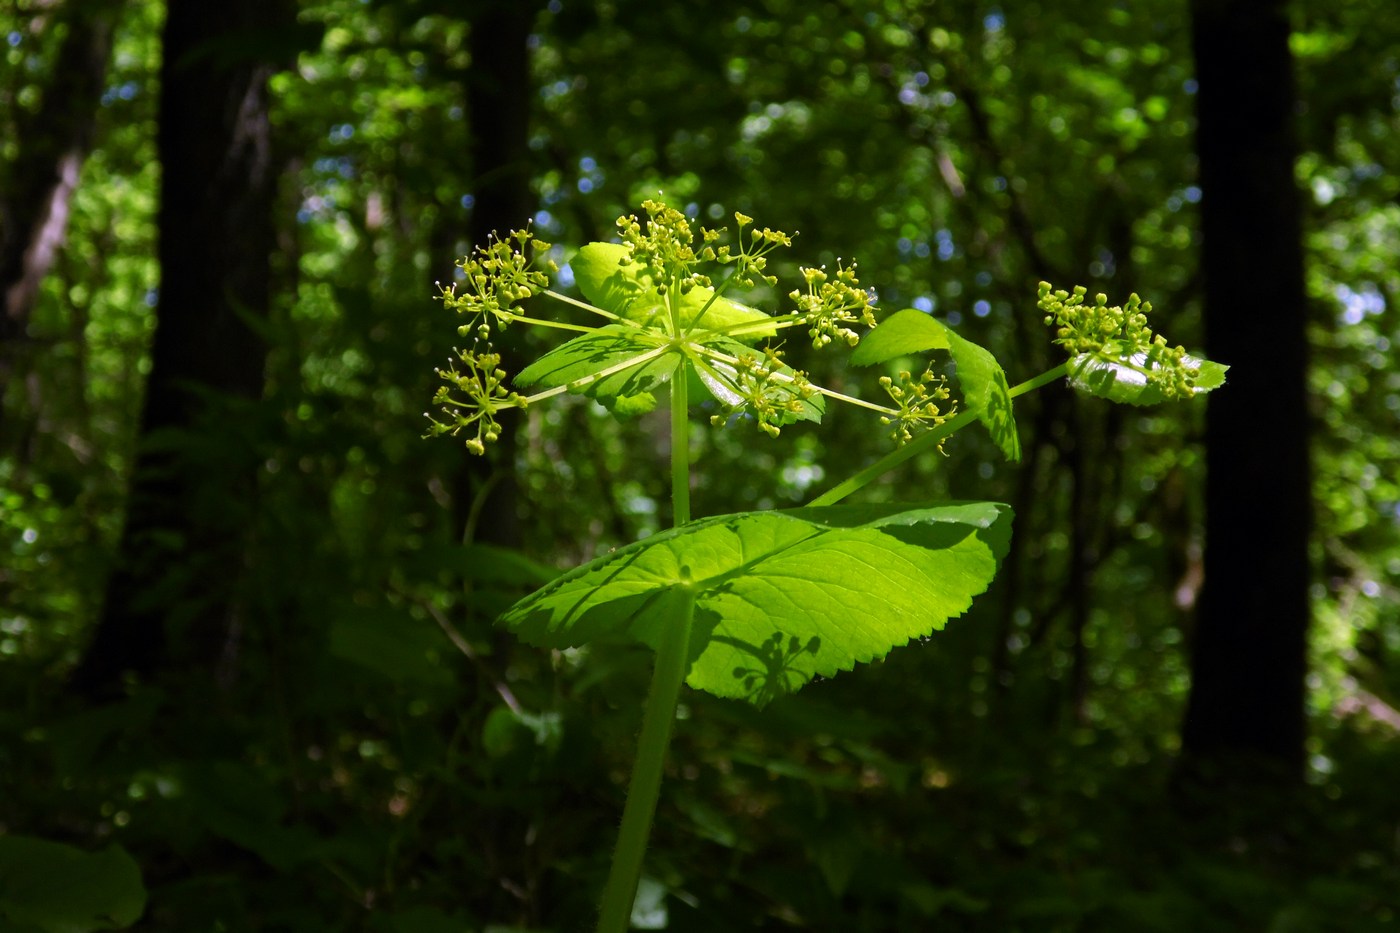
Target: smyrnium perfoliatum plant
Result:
[[757, 604]]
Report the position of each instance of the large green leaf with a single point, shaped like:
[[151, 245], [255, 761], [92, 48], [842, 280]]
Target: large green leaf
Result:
[[1132, 379], [56, 888], [628, 290], [984, 388], [781, 596], [629, 389]]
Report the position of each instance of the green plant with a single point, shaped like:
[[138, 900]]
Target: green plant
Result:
[[755, 605]]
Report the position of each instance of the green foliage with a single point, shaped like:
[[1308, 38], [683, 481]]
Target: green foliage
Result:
[[52, 888]]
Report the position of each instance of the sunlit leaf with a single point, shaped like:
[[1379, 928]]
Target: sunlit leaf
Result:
[[629, 390], [782, 596], [984, 388], [628, 290], [986, 393], [903, 333]]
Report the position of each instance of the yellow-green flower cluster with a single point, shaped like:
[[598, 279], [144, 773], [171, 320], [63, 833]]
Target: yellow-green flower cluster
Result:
[[917, 400], [496, 277], [1118, 335], [480, 394], [831, 303], [771, 392], [666, 246], [750, 260]]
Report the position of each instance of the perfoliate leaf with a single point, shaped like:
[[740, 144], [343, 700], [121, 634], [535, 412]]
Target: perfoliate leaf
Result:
[[1134, 380], [628, 290], [628, 389], [903, 333], [984, 388], [781, 596]]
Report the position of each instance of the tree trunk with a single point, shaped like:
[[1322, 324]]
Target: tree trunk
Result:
[[498, 105], [171, 600], [54, 140], [1246, 707]]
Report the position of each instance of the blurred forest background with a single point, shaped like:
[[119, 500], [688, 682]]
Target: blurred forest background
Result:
[[245, 610]]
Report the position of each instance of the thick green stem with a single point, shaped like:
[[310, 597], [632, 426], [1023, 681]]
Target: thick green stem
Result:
[[680, 445], [678, 611], [924, 441]]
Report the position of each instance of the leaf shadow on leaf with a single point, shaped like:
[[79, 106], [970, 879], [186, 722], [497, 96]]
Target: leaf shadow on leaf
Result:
[[930, 537], [774, 674], [774, 671]]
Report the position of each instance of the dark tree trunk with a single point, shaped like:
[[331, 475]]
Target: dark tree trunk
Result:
[[498, 106], [1249, 652], [171, 599], [54, 140]]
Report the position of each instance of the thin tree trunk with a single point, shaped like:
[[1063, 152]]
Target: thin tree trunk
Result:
[[54, 140], [172, 600], [1249, 653], [498, 105]]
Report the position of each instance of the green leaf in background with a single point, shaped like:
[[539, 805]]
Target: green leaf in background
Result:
[[628, 290], [782, 596], [1132, 379], [393, 643], [57, 888], [984, 388]]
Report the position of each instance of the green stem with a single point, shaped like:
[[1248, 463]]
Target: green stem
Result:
[[1030, 385], [924, 441], [680, 445], [592, 309], [558, 325], [893, 459], [677, 612]]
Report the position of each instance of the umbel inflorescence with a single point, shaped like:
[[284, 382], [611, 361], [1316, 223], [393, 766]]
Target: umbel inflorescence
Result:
[[661, 305], [1113, 343]]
